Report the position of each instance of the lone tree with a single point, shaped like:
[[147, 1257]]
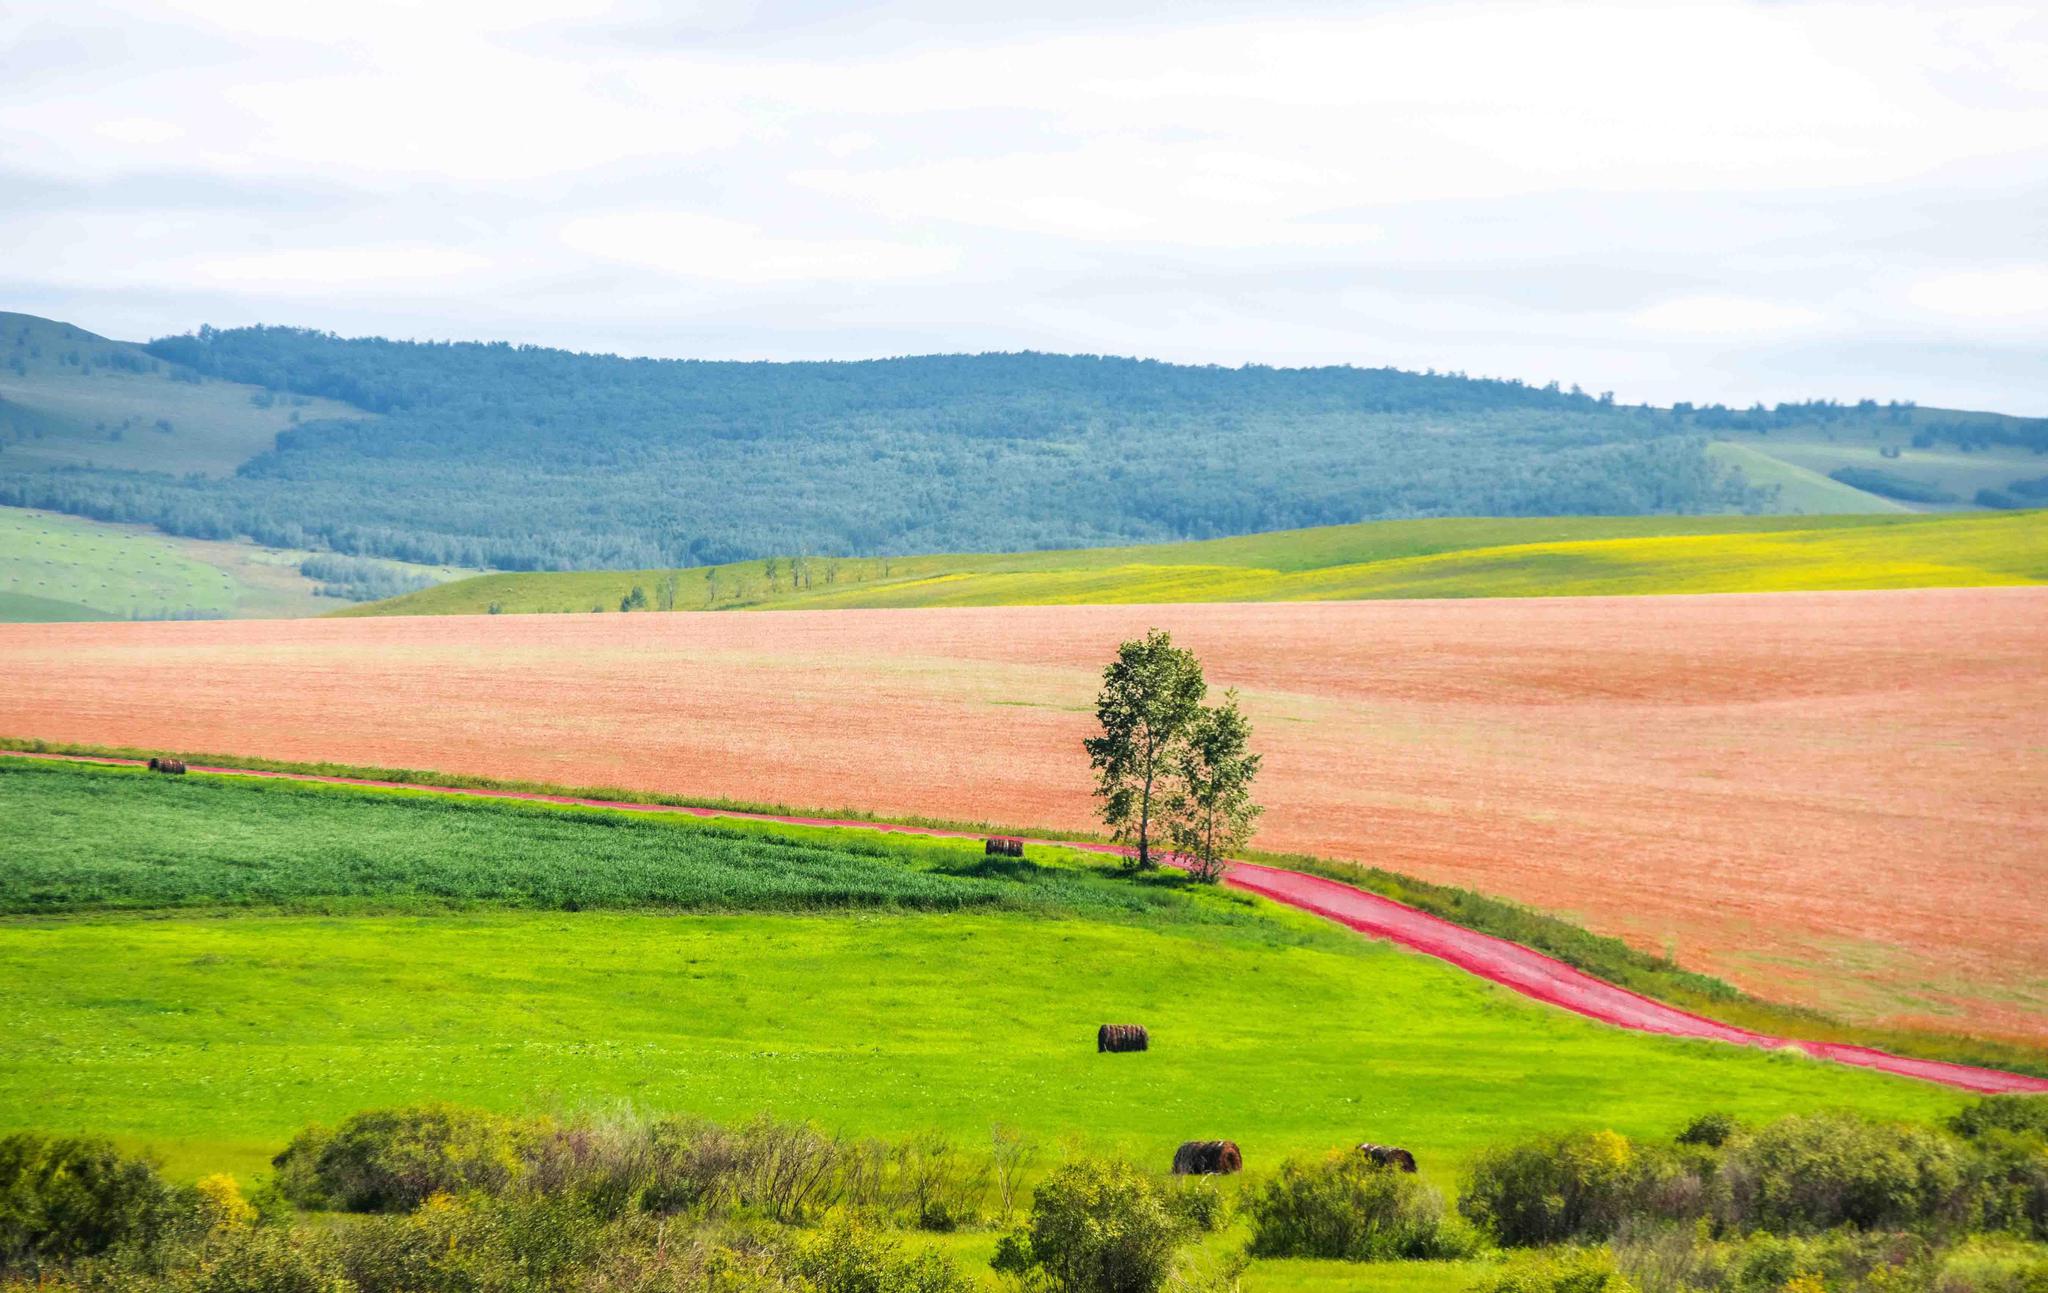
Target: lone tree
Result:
[[1151, 695], [1210, 810]]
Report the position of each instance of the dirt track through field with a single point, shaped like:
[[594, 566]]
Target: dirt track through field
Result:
[[1511, 965], [1833, 799]]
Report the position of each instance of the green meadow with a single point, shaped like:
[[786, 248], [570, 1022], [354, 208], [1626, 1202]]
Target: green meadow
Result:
[[1453, 557], [202, 965]]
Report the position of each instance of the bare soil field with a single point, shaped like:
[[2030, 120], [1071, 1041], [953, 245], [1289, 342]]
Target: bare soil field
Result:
[[1839, 799]]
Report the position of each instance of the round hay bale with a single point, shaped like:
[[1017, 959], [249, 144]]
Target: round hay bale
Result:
[[1207, 1158], [1116, 1039], [1389, 1156]]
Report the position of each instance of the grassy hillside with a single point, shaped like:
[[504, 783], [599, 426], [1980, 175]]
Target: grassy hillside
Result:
[[55, 568], [69, 398], [1549, 556], [1938, 476], [217, 962]]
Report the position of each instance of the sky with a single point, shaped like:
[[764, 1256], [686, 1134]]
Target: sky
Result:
[[1723, 200]]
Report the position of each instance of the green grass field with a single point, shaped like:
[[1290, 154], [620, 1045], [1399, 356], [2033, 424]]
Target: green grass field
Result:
[[1476, 557], [215, 962], [55, 568]]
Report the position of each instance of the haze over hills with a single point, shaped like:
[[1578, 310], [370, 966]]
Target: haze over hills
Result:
[[490, 455]]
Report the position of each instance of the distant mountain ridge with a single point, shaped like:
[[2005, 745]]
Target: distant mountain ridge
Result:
[[514, 457]]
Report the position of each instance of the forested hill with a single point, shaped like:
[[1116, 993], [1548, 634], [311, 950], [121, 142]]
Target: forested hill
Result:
[[529, 458]]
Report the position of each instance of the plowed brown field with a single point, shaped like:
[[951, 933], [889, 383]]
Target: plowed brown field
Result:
[[1834, 798]]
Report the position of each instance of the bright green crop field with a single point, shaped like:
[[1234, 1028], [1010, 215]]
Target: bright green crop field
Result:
[[1458, 557], [204, 964]]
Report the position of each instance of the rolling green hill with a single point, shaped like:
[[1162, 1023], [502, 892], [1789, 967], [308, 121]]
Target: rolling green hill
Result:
[[1551, 556]]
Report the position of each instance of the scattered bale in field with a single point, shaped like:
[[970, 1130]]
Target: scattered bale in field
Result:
[[1002, 846], [1389, 1156], [167, 765], [1207, 1158], [1118, 1038]]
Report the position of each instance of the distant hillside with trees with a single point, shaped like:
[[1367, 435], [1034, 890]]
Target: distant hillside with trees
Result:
[[524, 458]]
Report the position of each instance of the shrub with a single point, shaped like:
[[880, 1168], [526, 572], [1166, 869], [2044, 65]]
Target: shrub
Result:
[[1817, 1172], [2017, 1114], [848, 1258], [68, 1197], [1353, 1209], [392, 1160], [1709, 1129], [1199, 1204], [1568, 1270], [1095, 1227], [1553, 1189]]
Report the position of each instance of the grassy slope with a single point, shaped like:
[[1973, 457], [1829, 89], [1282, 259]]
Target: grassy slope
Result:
[[1544, 556], [212, 1034], [88, 570], [1943, 466], [1800, 489], [59, 414]]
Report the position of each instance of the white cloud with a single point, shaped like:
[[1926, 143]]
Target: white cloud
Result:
[[696, 246], [2017, 292], [1724, 316], [335, 268]]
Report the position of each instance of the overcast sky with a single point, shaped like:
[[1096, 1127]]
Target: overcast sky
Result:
[[1703, 201]]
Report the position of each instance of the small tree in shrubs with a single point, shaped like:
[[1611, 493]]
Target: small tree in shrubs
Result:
[[1350, 1208], [1551, 1190], [68, 1197], [1826, 1170], [1095, 1227], [392, 1160]]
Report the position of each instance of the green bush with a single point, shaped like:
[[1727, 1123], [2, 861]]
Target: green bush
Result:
[[392, 1160], [63, 1198], [1199, 1204], [849, 1258], [1350, 1208], [2013, 1114], [1817, 1172], [1711, 1130], [1095, 1227], [1566, 1270], [1552, 1190]]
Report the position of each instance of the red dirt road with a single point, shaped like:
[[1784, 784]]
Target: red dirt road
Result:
[[1511, 965], [1835, 799]]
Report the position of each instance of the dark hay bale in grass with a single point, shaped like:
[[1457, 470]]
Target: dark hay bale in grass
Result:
[[1118, 1038], [1002, 846], [1207, 1158], [1389, 1156], [173, 766]]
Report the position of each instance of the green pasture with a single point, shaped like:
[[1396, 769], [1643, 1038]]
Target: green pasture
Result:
[[1454, 557], [55, 568], [203, 964], [99, 571]]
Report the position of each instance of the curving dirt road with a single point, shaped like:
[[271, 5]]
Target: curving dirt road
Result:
[[1509, 964]]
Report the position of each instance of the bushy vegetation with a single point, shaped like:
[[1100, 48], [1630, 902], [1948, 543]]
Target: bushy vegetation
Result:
[[525, 458], [1096, 1227], [1805, 1174], [1350, 1208], [1890, 485], [462, 1200], [358, 580]]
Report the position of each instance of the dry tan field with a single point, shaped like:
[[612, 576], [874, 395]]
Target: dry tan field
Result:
[[1832, 798]]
